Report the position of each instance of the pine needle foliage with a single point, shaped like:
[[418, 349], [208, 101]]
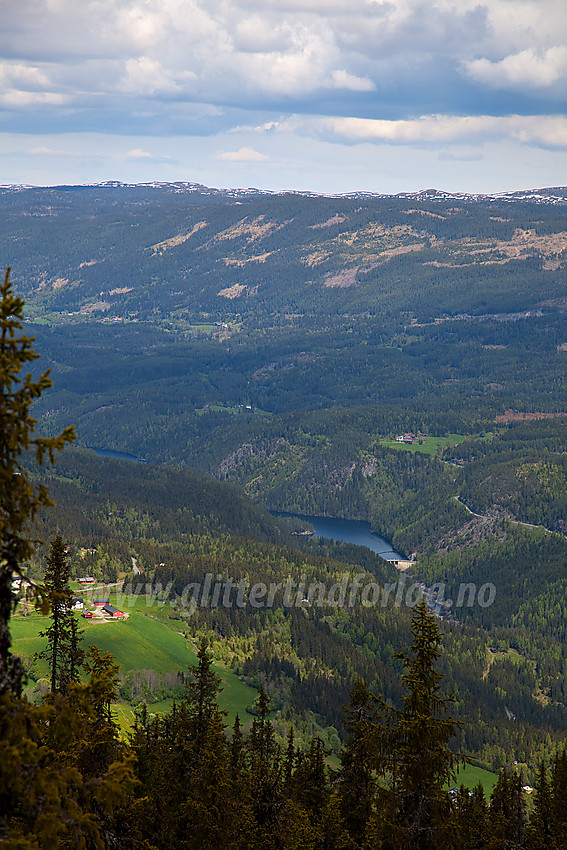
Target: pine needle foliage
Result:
[[20, 500], [419, 757], [63, 653]]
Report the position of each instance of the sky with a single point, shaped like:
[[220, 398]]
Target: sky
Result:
[[327, 96]]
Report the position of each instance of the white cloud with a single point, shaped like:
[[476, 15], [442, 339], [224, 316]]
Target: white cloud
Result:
[[529, 69], [447, 129], [257, 34], [303, 67], [138, 153], [343, 80], [244, 51], [144, 157], [516, 25], [147, 76], [269, 127], [289, 124], [20, 75], [245, 154], [23, 86], [45, 151], [25, 99]]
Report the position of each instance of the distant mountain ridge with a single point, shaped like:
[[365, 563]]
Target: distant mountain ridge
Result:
[[188, 254], [552, 195]]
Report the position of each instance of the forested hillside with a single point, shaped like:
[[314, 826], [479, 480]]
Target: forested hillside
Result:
[[395, 359], [145, 252], [305, 649], [97, 497]]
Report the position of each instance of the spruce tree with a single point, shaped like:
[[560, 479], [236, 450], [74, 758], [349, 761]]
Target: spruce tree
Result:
[[76, 655], [357, 778], [559, 794], [414, 741], [20, 500], [201, 695], [63, 771], [469, 820], [289, 760], [507, 818], [63, 652], [310, 780], [540, 833], [236, 764], [206, 811], [242, 820], [265, 770], [101, 745]]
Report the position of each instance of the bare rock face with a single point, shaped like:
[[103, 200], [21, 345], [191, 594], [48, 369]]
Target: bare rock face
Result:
[[262, 450]]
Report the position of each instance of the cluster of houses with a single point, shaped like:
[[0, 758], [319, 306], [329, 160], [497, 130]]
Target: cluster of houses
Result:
[[101, 610], [410, 438], [20, 585]]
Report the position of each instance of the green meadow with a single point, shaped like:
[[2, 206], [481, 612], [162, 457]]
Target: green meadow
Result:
[[142, 642], [25, 634], [470, 775], [429, 446]]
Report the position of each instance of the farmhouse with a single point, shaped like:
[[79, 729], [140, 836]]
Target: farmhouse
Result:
[[113, 612], [21, 584], [78, 604], [100, 603]]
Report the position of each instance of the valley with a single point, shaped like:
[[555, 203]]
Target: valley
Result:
[[265, 352]]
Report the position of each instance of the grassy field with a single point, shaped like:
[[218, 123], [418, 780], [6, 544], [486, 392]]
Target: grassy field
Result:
[[123, 715], [433, 445], [25, 634], [470, 775], [430, 445], [142, 642], [202, 327]]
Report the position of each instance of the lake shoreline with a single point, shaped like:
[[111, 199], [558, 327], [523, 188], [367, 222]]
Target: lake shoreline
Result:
[[115, 454], [357, 532]]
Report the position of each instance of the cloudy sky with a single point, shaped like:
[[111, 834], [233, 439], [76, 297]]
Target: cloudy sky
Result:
[[321, 95]]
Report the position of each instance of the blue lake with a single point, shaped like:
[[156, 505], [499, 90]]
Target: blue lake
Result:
[[118, 455], [349, 531]]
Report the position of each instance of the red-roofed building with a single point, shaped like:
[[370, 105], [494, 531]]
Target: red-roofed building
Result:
[[113, 612]]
